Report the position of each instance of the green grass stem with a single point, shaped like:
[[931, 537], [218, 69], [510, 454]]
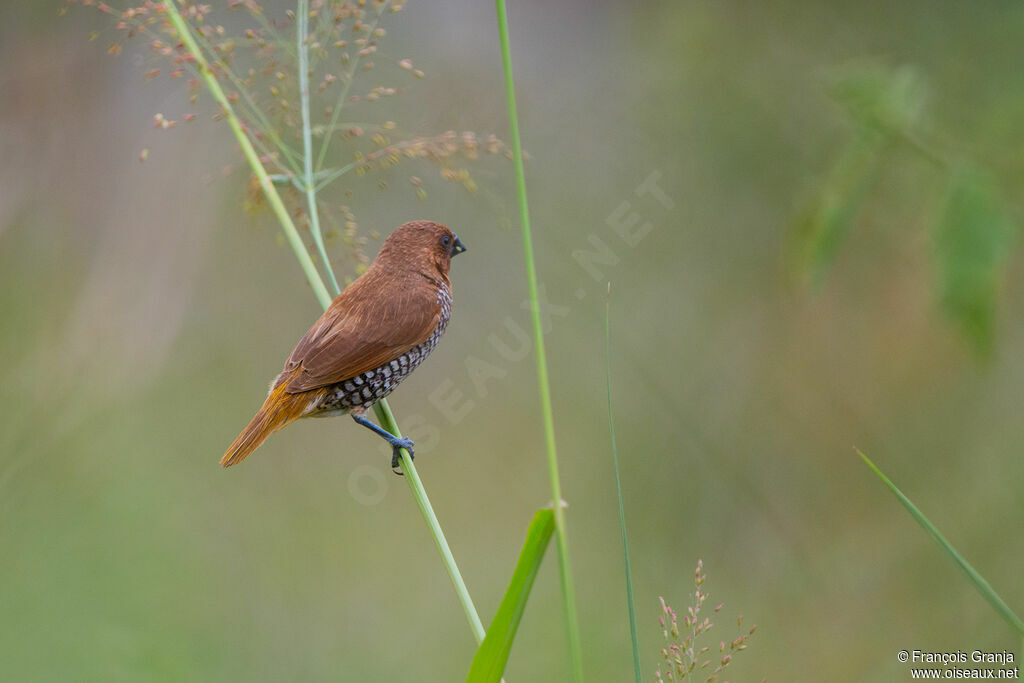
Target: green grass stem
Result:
[[976, 579], [302, 39], [630, 602], [565, 572], [276, 203], [250, 109], [320, 291], [412, 477]]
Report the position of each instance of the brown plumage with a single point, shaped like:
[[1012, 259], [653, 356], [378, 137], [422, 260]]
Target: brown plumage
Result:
[[370, 338]]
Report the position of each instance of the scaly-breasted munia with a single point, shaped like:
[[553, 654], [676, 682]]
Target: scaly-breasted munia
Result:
[[370, 338]]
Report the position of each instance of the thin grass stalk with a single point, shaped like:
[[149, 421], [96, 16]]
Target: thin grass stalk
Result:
[[322, 295], [387, 420], [276, 203], [977, 580], [565, 573], [251, 109], [290, 172], [342, 95], [618, 486], [302, 31]]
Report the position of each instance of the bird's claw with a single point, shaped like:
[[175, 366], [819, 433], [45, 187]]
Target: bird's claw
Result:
[[397, 445]]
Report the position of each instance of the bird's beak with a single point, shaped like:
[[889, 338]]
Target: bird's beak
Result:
[[457, 246]]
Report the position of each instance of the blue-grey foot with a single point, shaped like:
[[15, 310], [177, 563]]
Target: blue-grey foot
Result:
[[396, 453], [397, 443]]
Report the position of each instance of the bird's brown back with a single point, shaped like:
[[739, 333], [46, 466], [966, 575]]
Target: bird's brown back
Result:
[[395, 306]]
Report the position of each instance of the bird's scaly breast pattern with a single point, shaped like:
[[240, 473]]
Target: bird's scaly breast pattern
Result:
[[373, 385]]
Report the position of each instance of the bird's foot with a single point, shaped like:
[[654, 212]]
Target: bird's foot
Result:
[[397, 443], [396, 456]]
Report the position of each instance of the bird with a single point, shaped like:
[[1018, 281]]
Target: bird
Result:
[[372, 336]]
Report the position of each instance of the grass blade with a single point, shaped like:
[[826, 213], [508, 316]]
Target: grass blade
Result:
[[979, 582], [631, 603], [564, 571], [419, 493], [492, 655]]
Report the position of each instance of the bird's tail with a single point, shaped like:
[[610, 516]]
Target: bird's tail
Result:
[[278, 411]]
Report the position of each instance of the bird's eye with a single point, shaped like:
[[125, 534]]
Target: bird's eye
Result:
[[446, 241]]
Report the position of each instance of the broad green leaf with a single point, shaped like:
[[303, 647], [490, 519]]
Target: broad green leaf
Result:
[[885, 105], [972, 242], [489, 660], [976, 579], [824, 226]]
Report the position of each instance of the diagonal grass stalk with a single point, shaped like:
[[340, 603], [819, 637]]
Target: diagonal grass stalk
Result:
[[322, 295], [267, 185], [565, 573], [976, 579], [387, 420], [250, 109], [631, 603]]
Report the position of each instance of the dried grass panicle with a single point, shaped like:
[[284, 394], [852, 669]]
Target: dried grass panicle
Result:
[[255, 58], [683, 655]]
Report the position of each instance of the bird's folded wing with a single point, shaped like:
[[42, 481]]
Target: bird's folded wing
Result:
[[357, 334]]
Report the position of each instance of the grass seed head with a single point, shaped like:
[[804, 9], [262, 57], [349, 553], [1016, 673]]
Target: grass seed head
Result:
[[255, 63]]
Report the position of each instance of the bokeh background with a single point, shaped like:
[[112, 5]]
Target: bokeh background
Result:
[[144, 310]]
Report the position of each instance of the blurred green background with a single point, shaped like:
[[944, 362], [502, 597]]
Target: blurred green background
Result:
[[786, 305]]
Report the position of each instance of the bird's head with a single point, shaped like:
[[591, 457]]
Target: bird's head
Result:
[[422, 245]]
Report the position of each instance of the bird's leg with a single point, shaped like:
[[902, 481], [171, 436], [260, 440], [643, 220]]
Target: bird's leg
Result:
[[396, 443]]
